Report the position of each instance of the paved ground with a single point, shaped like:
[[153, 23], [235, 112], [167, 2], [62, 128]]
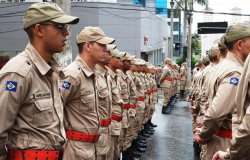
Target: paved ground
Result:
[[172, 139]]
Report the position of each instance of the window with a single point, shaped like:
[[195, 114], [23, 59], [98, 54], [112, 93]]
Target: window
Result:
[[141, 2], [4, 58]]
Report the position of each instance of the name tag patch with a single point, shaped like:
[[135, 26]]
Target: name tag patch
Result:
[[42, 95], [66, 85], [11, 86], [103, 89], [124, 87], [234, 81], [86, 92]]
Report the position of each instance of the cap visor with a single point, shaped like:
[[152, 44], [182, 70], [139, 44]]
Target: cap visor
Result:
[[65, 19], [111, 47], [131, 58], [106, 40], [120, 54]]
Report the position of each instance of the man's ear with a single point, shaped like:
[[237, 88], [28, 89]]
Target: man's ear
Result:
[[38, 30], [239, 44], [88, 46]]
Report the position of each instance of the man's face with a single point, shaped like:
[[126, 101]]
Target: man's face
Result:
[[185, 66], [145, 69], [134, 68], [108, 58], [245, 48], [54, 38], [98, 51], [126, 65], [152, 71], [116, 62], [202, 66], [139, 68]]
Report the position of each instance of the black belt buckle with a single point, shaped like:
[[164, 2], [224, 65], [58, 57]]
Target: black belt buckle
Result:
[[60, 156]]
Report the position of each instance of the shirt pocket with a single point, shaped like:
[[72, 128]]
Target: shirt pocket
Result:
[[84, 150], [87, 101], [43, 112], [103, 96], [124, 92], [115, 92], [140, 85]]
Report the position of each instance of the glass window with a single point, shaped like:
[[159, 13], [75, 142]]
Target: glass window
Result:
[[4, 58]]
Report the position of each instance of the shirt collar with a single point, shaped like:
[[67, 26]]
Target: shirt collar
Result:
[[84, 66], [212, 64], [124, 76], [110, 72], [142, 74], [234, 58], [101, 70], [131, 74], [41, 64]]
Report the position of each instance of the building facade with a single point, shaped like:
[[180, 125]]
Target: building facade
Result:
[[137, 30]]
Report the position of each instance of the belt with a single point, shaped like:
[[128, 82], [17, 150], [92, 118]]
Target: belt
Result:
[[105, 122], [141, 98], [168, 79], [224, 133], [132, 106], [153, 90], [126, 106], [84, 137], [178, 79], [116, 117], [175, 79], [184, 75], [15, 154], [148, 92]]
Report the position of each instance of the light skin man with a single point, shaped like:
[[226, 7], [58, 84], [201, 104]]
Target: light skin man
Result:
[[81, 119], [31, 109]]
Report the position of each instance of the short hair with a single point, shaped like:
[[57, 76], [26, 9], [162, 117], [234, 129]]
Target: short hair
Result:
[[230, 45], [80, 46], [222, 51], [213, 59], [29, 31]]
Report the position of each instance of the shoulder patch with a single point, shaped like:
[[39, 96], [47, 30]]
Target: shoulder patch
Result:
[[11, 86], [234, 81], [66, 85]]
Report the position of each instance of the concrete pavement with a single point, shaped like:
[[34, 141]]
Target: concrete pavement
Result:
[[172, 139]]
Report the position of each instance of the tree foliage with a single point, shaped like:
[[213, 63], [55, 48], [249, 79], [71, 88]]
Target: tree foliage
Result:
[[196, 44], [179, 61], [184, 4]]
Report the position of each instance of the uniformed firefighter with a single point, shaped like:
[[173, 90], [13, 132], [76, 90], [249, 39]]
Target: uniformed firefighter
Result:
[[217, 122], [117, 103], [31, 104], [104, 106]]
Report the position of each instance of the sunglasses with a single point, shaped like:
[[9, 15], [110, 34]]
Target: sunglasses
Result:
[[62, 27]]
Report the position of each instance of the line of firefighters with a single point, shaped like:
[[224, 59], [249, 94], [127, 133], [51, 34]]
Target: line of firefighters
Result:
[[220, 98]]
